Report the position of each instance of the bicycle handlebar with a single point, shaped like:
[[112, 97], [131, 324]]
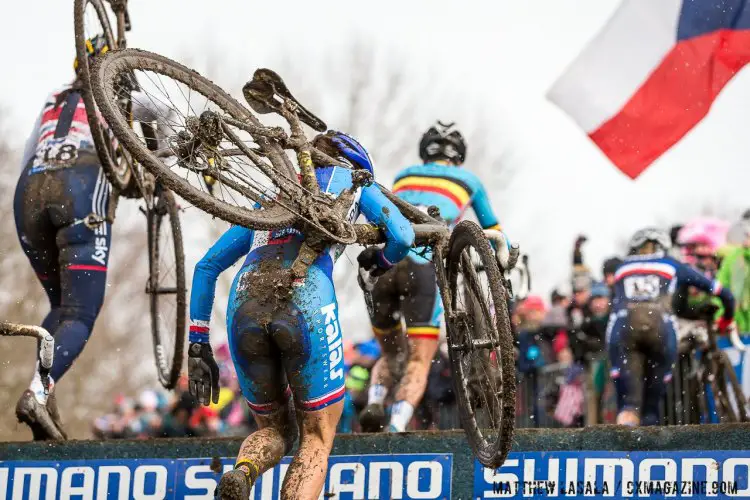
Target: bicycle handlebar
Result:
[[46, 341], [424, 234], [708, 312], [736, 341]]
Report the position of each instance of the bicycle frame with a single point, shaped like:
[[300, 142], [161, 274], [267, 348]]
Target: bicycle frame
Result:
[[46, 345], [712, 372]]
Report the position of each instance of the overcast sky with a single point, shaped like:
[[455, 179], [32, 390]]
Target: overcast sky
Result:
[[504, 53]]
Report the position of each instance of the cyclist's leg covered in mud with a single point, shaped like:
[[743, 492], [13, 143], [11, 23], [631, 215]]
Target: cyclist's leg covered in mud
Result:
[[37, 236], [627, 368], [387, 326], [311, 340], [69, 258], [299, 341], [422, 309], [261, 377], [661, 356]]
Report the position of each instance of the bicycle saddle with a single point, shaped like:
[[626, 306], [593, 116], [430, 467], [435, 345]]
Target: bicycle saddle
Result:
[[261, 94]]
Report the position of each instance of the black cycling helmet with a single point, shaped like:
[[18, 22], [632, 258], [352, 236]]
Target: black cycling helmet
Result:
[[442, 142]]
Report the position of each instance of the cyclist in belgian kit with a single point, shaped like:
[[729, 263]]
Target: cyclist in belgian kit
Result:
[[641, 336], [274, 339], [408, 293]]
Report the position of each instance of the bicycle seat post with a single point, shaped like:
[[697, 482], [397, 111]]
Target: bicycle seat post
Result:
[[298, 141]]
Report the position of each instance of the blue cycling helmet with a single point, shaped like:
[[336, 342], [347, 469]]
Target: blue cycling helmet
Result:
[[352, 150]]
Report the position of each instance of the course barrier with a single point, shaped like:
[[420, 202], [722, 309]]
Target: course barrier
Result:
[[710, 461]]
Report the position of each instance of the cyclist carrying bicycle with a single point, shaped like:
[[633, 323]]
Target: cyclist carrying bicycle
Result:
[[408, 292], [641, 336], [279, 340], [61, 204]]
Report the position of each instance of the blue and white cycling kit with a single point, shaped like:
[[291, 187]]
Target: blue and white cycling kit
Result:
[[410, 289], [299, 339], [641, 334], [61, 184]]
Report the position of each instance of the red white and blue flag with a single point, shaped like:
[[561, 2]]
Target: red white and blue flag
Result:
[[652, 74]]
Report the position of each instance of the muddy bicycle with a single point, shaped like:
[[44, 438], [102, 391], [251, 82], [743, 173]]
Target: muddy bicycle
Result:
[[711, 384], [258, 186], [165, 287]]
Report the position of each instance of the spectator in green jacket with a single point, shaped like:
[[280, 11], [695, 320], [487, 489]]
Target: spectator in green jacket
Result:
[[734, 273]]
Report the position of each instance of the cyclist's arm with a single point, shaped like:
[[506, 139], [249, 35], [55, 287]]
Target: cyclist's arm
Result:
[[232, 245], [30, 148], [380, 210], [480, 202], [690, 277]]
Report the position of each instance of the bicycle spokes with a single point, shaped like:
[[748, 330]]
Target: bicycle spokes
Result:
[[483, 379], [191, 140]]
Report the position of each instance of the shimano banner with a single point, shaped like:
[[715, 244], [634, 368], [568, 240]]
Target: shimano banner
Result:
[[425, 476], [617, 474]]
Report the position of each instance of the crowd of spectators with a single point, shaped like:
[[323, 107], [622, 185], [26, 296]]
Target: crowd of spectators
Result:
[[567, 335], [157, 413], [564, 335]]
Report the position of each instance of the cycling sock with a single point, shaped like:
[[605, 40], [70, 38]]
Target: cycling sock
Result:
[[250, 470], [401, 413], [37, 387], [376, 394]]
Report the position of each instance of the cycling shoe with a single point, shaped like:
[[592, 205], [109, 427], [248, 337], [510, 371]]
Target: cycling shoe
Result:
[[38, 418], [373, 418], [233, 486]]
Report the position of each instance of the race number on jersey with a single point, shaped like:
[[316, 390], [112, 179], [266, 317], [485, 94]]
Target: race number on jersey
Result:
[[642, 287]]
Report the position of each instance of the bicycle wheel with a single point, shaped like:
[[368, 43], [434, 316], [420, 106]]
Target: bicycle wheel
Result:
[[166, 287], [731, 401], [91, 18], [184, 105], [480, 345]]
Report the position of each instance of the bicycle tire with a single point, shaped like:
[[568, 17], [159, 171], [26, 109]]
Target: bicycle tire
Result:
[[168, 367], [740, 414], [723, 408], [120, 178], [107, 68], [461, 337]]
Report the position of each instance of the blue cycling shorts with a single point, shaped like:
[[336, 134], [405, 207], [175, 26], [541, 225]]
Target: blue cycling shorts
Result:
[[276, 344]]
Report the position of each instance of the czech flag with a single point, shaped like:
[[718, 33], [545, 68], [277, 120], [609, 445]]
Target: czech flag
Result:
[[652, 74]]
